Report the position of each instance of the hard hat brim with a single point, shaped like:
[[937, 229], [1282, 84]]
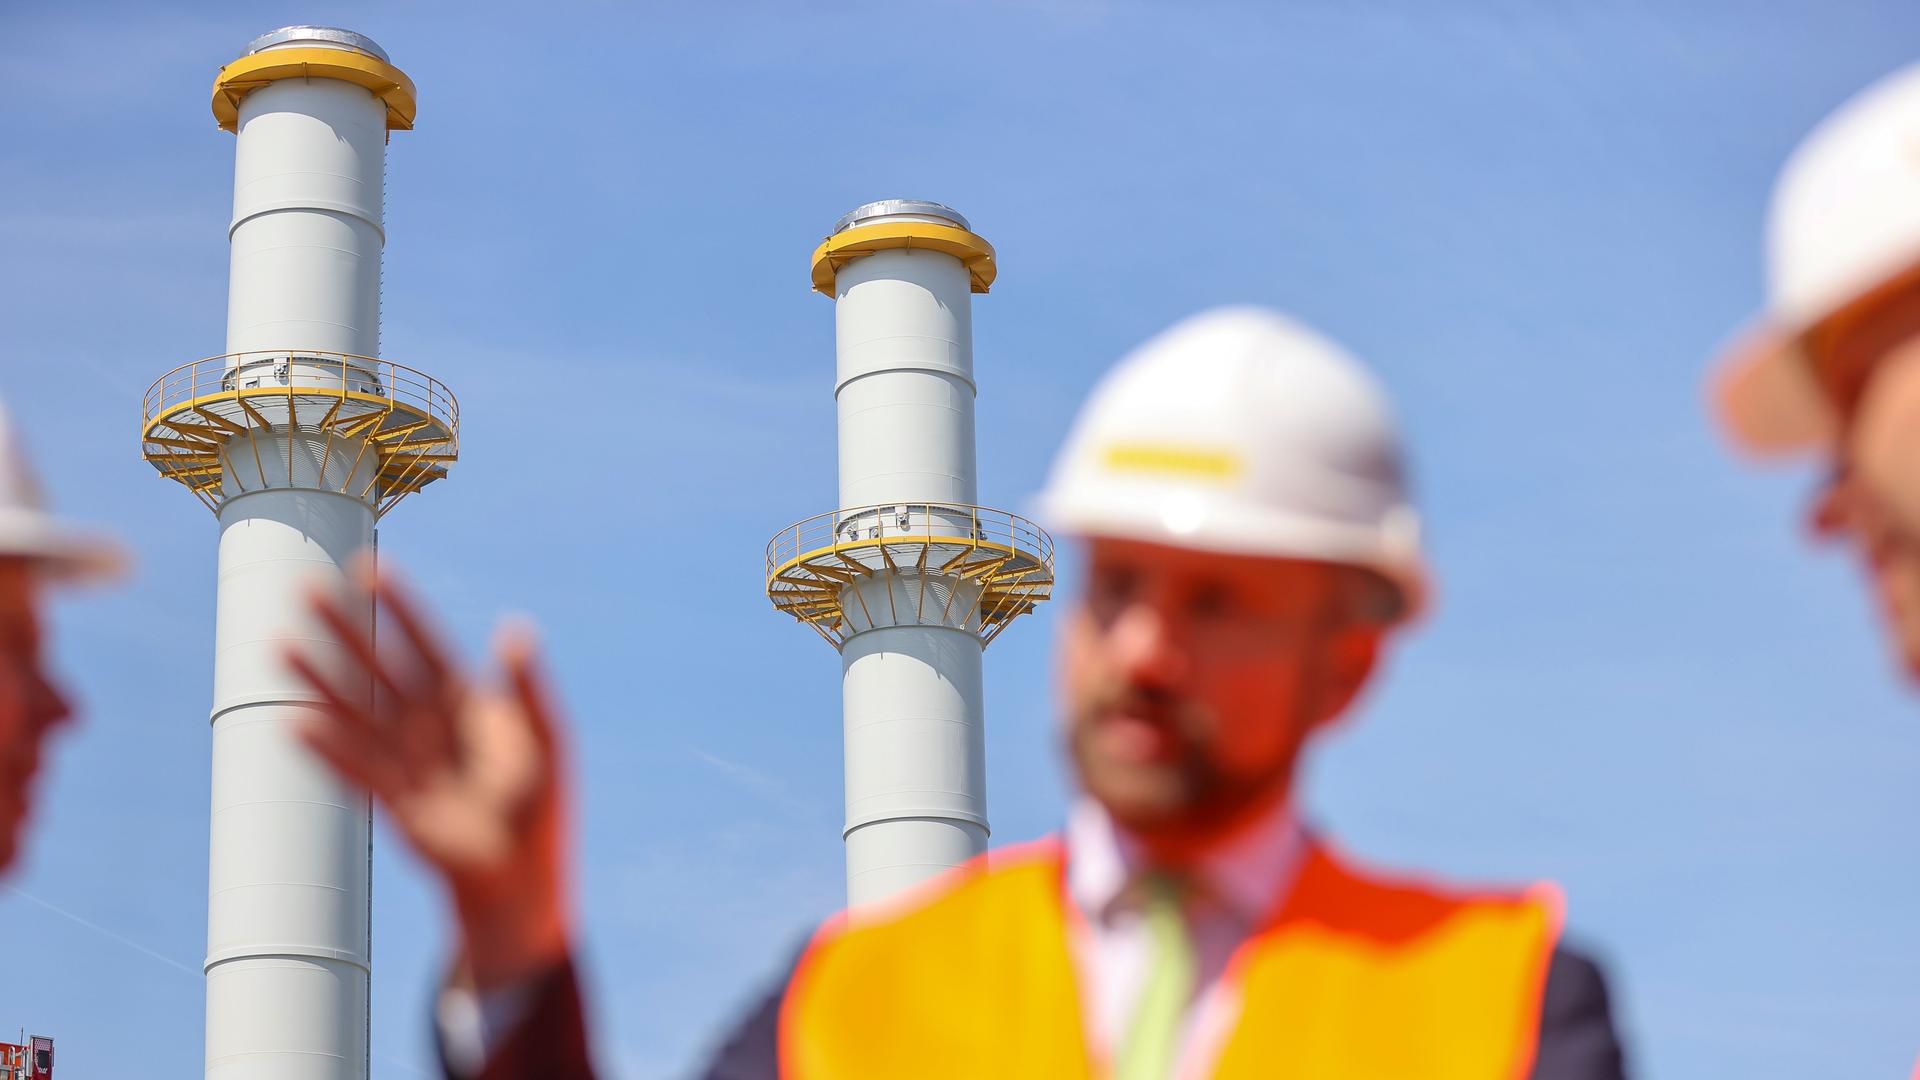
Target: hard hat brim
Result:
[[1765, 397], [1765, 390], [58, 551], [1146, 518]]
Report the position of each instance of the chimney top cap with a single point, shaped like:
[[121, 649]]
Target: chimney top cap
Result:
[[891, 207], [329, 35]]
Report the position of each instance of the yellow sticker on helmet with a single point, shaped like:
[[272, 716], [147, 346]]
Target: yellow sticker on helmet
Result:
[[1212, 463]]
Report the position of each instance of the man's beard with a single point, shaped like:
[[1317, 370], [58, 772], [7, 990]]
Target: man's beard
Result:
[[1187, 793]]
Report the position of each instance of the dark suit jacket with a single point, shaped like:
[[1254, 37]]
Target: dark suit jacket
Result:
[[1577, 1038]]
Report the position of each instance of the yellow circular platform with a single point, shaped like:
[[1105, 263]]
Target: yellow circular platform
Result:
[[406, 420], [968, 568]]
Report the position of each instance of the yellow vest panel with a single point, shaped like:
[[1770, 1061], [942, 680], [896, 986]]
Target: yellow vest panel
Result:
[[1352, 977]]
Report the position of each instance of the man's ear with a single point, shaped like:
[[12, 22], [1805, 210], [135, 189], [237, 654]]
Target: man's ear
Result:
[[1349, 658]]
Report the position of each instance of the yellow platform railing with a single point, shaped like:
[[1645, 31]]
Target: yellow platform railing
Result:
[[1008, 558], [409, 419]]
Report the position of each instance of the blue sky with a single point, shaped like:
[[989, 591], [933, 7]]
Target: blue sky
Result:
[[1535, 221]]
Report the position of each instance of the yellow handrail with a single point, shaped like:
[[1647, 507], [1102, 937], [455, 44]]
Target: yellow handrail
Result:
[[924, 521], [407, 419], [1005, 561], [212, 376]]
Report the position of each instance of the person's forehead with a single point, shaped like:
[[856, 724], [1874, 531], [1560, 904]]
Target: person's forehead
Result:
[[1149, 557], [1847, 350], [1883, 440], [17, 594], [17, 574]]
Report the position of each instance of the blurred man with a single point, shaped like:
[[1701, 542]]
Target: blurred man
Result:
[[35, 550], [1833, 367], [1249, 548]]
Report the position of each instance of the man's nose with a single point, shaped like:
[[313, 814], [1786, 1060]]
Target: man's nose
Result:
[[1148, 645], [51, 706], [1832, 511]]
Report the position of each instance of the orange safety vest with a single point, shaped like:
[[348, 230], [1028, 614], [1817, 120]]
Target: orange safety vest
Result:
[[1353, 976]]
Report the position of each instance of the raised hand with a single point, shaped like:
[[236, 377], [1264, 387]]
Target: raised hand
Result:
[[470, 773]]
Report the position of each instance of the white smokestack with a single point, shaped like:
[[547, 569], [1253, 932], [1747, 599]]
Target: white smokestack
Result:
[[910, 578], [298, 438]]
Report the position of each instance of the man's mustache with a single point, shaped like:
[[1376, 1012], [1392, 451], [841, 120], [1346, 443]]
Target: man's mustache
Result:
[[1135, 699]]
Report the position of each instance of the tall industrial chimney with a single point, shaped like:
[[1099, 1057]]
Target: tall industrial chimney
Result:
[[910, 578], [298, 438]]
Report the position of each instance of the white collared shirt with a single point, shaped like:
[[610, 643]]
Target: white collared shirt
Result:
[[1235, 886]]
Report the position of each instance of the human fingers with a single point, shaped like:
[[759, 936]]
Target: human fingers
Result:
[[412, 743], [438, 689], [358, 641], [341, 707], [517, 650], [358, 757], [392, 594]]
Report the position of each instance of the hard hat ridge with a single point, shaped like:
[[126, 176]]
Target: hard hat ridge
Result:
[[1844, 213], [1240, 430]]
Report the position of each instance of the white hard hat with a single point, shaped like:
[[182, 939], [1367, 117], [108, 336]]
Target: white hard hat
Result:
[[1845, 219], [1241, 431], [28, 531]]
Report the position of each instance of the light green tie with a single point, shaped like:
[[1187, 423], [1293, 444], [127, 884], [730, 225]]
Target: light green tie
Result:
[[1152, 1042]]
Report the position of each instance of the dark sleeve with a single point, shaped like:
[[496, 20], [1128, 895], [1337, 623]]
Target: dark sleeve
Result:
[[1577, 1037], [752, 1050], [549, 1042]]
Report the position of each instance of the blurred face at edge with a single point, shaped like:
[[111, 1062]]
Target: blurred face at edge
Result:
[[1192, 679], [30, 705], [1872, 499]]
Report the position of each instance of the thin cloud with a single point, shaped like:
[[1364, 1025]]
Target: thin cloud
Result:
[[767, 787]]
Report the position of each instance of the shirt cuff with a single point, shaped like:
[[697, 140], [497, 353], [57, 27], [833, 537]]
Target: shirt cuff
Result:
[[474, 1023]]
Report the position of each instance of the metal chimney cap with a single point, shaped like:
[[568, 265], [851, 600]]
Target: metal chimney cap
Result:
[[891, 207], [331, 35]]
